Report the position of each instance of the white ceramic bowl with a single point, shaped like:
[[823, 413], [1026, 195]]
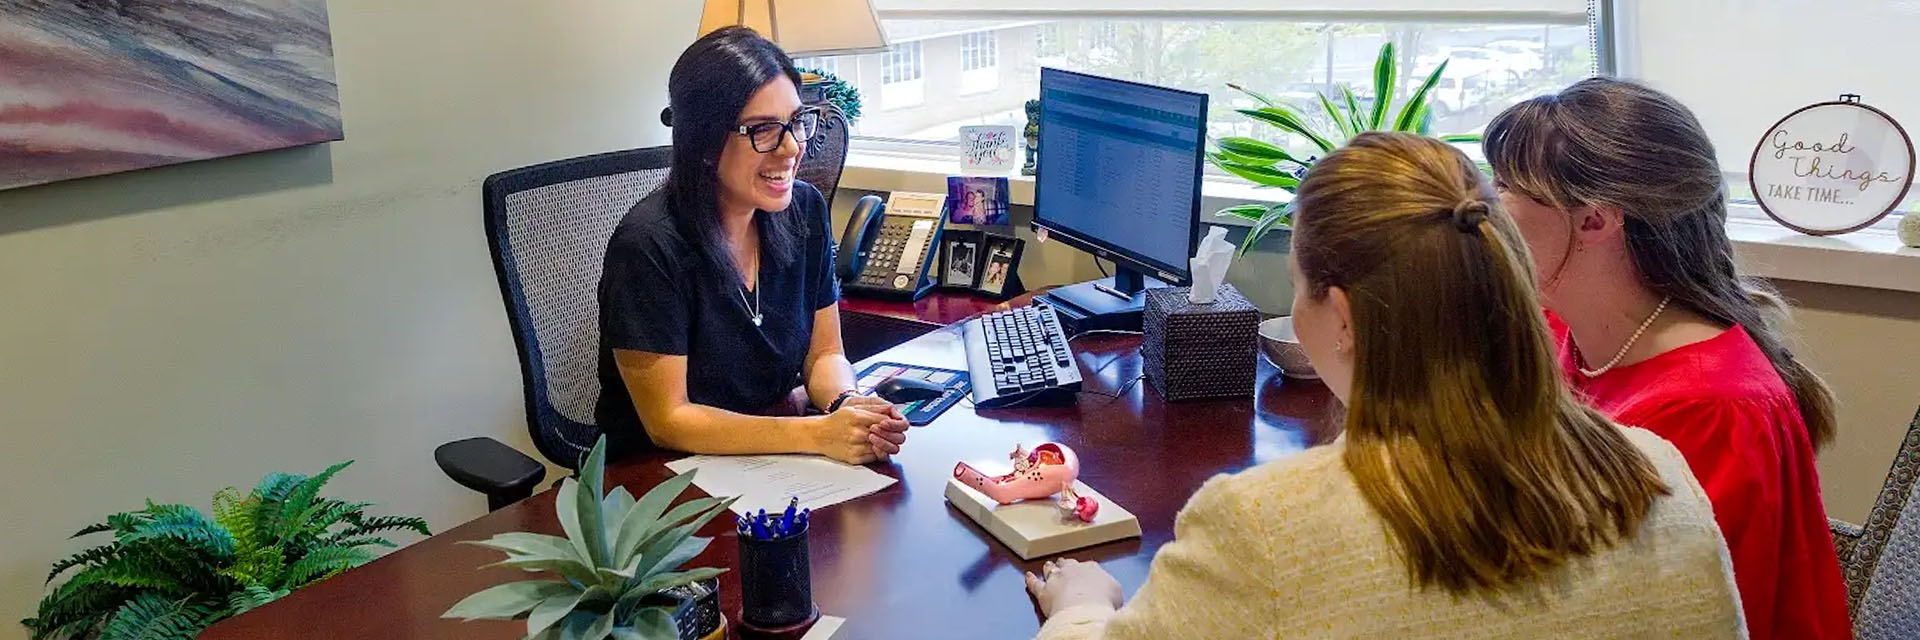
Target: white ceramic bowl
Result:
[[1282, 348]]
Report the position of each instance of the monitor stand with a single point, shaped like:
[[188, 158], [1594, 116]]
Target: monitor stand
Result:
[[1114, 303]]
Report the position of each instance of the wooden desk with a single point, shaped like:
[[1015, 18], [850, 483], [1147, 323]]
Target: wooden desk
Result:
[[899, 564], [869, 326]]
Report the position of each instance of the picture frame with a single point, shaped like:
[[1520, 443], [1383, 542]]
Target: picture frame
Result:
[[978, 201], [960, 253], [999, 265], [1869, 165]]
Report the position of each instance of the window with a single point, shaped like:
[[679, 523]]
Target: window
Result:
[[901, 86], [979, 61], [829, 65], [901, 64], [979, 50], [1687, 49], [982, 58]]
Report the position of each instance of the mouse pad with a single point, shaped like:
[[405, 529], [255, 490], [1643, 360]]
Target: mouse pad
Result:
[[922, 412]]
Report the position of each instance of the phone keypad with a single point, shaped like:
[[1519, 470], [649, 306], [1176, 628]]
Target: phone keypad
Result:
[[884, 257]]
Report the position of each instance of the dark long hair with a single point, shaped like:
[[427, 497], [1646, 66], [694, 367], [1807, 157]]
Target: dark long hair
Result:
[[1485, 468], [1619, 144], [708, 88]]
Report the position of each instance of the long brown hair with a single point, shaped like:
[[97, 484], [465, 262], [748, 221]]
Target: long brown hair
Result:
[[1460, 432], [1619, 144]]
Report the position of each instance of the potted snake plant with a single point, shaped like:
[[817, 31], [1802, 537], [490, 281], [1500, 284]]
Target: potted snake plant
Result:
[[615, 574], [1267, 165]]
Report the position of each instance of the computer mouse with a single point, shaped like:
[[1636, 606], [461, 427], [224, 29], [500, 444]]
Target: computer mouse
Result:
[[905, 390]]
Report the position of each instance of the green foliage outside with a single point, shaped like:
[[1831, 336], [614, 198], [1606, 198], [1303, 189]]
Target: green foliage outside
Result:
[[170, 571], [1269, 165]]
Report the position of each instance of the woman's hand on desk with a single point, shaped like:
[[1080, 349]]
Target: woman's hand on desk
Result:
[[860, 434], [887, 436], [1067, 583]]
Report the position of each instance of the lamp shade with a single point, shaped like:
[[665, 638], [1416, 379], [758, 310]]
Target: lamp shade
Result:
[[803, 27]]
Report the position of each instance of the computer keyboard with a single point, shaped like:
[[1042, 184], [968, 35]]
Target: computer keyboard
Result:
[[1014, 354]]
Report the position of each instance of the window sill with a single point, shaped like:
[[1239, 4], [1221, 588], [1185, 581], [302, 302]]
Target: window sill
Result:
[[1872, 258]]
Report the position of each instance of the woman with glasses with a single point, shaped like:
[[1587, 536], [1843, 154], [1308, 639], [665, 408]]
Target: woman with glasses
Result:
[[718, 299]]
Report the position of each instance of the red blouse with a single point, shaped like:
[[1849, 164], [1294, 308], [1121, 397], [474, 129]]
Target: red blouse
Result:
[[1725, 408]]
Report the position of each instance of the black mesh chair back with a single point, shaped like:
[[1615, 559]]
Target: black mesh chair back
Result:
[[548, 226]]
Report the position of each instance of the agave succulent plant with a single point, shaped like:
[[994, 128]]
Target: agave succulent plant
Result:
[[1267, 165], [619, 556], [171, 571]]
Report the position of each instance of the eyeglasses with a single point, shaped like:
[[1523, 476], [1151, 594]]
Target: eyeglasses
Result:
[[767, 136]]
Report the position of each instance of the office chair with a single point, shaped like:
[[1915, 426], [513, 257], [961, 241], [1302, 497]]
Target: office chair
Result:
[[826, 155], [548, 226], [1881, 559]]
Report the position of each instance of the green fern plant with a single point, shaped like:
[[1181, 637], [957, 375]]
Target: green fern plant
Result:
[[840, 93], [618, 556], [1268, 165], [171, 571]]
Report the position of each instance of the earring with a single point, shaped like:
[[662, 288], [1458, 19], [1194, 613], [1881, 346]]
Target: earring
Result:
[[1339, 346]]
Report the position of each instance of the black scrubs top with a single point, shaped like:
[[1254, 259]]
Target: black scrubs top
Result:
[[655, 297]]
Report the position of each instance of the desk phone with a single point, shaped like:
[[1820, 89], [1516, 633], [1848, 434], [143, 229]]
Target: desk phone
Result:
[[888, 250]]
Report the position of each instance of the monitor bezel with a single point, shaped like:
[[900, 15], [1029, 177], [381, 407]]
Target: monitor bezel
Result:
[[1180, 274]]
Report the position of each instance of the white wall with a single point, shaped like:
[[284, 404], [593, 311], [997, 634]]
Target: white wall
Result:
[[169, 332], [1741, 65]]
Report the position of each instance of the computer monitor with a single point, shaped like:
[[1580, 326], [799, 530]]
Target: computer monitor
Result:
[[1119, 177]]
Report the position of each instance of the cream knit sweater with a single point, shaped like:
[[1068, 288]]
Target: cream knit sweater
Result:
[[1290, 549]]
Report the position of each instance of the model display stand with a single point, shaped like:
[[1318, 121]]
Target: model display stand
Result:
[[1040, 508]]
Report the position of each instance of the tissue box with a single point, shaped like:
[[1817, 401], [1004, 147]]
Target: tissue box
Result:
[[1200, 350]]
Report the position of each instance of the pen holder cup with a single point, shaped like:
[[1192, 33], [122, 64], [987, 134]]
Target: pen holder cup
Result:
[[776, 582]]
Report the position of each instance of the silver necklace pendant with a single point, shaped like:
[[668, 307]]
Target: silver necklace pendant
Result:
[[756, 319]]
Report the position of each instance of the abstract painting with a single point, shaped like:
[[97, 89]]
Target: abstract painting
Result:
[[91, 87]]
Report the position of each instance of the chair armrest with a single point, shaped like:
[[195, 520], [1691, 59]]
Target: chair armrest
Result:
[[489, 467], [1846, 536]]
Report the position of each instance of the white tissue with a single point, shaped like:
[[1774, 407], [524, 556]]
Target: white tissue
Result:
[[1210, 266]]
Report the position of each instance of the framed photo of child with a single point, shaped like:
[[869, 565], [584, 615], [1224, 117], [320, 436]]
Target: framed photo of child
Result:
[[960, 254], [999, 260], [980, 201]]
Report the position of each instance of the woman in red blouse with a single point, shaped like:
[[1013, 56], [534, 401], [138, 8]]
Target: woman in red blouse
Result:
[[1622, 202]]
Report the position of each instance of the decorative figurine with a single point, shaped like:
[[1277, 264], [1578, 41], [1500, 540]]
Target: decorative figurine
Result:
[[1048, 471], [1032, 133]]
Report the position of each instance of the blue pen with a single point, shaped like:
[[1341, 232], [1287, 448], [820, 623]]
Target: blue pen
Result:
[[759, 531], [786, 519], [804, 513]]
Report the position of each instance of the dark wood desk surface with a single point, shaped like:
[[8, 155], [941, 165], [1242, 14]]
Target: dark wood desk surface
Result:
[[900, 563], [938, 308]]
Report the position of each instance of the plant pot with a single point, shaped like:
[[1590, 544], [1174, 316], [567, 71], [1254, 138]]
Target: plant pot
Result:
[[719, 633], [776, 582], [698, 614]]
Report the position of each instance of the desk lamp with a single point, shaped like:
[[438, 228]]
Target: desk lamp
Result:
[[803, 27]]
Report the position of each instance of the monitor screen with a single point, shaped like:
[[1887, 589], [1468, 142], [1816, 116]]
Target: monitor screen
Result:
[[1119, 169]]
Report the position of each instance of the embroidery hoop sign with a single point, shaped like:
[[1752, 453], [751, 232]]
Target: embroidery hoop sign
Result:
[[1832, 167]]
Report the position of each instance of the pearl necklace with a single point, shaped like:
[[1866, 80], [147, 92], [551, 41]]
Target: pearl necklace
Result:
[[1594, 373]]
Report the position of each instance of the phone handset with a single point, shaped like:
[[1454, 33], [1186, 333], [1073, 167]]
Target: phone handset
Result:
[[854, 243]]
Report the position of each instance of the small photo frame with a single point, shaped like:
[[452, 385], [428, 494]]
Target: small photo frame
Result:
[[978, 201], [960, 254], [999, 263]]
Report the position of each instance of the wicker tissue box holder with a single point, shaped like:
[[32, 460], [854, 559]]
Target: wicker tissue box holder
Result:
[[1200, 350]]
